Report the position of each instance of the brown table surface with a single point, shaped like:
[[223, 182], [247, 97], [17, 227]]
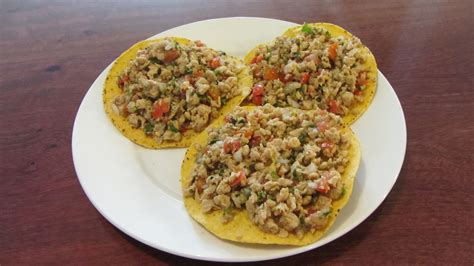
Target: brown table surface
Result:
[[52, 51]]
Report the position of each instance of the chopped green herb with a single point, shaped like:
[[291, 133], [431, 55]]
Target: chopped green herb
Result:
[[213, 141], [343, 192], [274, 175], [307, 29], [172, 128], [326, 213], [188, 71], [148, 128], [272, 197], [302, 138], [301, 220], [261, 196], [314, 197], [241, 120], [328, 34], [223, 100], [298, 55], [295, 174], [155, 60]]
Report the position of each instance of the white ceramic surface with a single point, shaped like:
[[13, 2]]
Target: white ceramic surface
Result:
[[138, 190]]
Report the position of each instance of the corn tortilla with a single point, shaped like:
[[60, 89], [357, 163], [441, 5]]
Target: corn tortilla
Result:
[[359, 108], [137, 135], [241, 228]]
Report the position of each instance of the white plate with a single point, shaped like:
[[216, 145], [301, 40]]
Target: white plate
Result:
[[138, 190]]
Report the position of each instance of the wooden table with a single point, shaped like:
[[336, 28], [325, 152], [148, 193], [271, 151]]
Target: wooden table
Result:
[[52, 52]]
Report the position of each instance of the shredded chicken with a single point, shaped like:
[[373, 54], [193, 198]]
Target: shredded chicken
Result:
[[169, 88], [285, 182]]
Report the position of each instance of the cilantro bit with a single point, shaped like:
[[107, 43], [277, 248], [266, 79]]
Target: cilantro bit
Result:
[[155, 60], [172, 128], [148, 128], [262, 196], [307, 29], [274, 175], [188, 71]]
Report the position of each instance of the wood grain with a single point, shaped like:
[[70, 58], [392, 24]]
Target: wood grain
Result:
[[51, 51]]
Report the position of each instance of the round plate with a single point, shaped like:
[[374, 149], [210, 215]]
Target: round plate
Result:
[[138, 190]]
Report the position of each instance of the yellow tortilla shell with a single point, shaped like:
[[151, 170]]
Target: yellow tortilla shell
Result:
[[137, 135], [358, 109], [241, 228]]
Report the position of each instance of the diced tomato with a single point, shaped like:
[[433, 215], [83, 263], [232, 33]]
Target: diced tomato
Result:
[[326, 144], [215, 62], [183, 127], [254, 60], [332, 53], [362, 79], [199, 73], [248, 133], [257, 59], [235, 145], [124, 111], [123, 80], [170, 56], [231, 146], [311, 210], [305, 78], [322, 126], [257, 100], [160, 108], [255, 140], [270, 74], [257, 94], [199, 43], [334, 107], [227, 147], [239, 179], [257, 90], [285, 78], [358, 92], [323, 185]]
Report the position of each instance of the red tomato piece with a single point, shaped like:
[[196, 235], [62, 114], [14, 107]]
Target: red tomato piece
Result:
[[270, 74], [305, 78], [160, 108], [322, 126], [332, 51], [239, 179], [215, 62], [170, 56], [334, 107]]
